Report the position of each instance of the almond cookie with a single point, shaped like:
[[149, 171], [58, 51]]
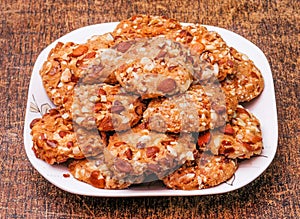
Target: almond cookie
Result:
[[206, 171], [98, 42], [92, 72], [201, 41], [141, 26], [210, 46], [59, 73], [248, 81], [223, 103], [95, 172], [236, 68], [200, 108], [63, 68], [188, 112], [139, 153], [101, 68], [106, 107], [240, 138], [155, 67], [55, 139]]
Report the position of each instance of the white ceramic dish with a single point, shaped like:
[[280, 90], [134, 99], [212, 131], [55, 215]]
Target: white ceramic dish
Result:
[[264, 107]]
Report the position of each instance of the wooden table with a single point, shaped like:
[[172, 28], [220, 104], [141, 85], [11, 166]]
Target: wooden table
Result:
[[29, 26]]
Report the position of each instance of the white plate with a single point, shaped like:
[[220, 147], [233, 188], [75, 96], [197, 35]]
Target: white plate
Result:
[[264, 107]]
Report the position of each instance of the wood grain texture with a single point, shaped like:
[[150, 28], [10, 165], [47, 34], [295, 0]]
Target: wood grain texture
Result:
[[29, 26]]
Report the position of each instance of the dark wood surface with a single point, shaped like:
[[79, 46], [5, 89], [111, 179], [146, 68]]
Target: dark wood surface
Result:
[[29, 26]]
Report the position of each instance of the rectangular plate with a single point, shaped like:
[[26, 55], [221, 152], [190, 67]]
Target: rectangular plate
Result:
[[263, 107]]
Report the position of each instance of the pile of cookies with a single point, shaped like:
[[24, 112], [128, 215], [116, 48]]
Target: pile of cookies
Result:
[[151, 100]]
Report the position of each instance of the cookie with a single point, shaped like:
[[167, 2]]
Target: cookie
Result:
[[55, 139], [155, 67], [210, 46], [58, 73], [223, 103], [95, 172], [101, 68], [139, 153], [238, 71], [248, 81], [188, 112], [64, 67], [199, 109], [202, 42], [141, 26], [240, 138], [106, 107], [206, 171], [98, 42]]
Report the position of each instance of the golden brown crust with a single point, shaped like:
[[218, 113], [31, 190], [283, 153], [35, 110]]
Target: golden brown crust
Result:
[[140, 26], [64, 67], [140, 152], [206, 171], [106, 107], [188, 112], [247, 82], [95, 172], [241, 138], [155, 67], [198, 109], [209, 45], [55, 139]]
